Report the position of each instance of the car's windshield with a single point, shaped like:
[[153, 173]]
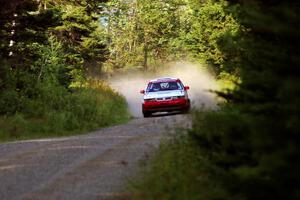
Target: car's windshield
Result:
[[163, 86]]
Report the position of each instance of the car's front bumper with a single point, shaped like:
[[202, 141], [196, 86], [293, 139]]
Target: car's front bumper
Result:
[[168, 105]]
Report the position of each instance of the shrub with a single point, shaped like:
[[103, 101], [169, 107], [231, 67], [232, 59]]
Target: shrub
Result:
[[57, 111], [178, 171]]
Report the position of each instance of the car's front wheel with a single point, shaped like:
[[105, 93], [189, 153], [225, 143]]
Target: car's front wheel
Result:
[[146, 114], [188, 108]]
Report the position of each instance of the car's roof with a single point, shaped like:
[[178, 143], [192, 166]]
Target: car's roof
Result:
[[164, 79]]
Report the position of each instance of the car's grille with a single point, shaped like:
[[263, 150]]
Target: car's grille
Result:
[[163, 99]]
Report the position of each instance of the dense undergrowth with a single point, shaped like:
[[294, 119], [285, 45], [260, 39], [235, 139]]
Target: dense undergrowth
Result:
[[57, 111], [178, 171]]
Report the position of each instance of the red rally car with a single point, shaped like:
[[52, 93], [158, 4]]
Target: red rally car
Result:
[[164, 95]]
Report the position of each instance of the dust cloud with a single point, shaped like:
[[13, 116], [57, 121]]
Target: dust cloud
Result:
[[199, 79]]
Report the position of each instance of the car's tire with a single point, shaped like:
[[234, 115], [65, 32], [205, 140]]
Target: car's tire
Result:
[[186, 111], [188, 108], [146, 114]]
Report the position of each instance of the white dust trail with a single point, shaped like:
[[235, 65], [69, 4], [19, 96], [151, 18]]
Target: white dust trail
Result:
[[198, 78]]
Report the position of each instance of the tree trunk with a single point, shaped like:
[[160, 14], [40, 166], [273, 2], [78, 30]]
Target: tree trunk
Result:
[[145, 64]]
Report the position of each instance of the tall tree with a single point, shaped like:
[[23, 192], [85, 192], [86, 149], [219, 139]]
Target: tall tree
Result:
[[24, 40], [255, 143], [140, 31]]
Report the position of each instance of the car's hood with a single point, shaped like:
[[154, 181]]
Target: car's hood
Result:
[[162, 94]]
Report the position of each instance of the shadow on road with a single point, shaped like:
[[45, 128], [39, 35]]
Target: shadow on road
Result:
[[163, 114]]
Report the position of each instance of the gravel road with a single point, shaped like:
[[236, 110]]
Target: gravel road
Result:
[[92, 166]]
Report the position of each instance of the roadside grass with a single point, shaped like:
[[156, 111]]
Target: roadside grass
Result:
[[178, 170], [59, 112]]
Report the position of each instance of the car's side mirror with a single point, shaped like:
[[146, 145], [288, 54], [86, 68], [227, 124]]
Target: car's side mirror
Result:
[[186, 87], [142, 91]]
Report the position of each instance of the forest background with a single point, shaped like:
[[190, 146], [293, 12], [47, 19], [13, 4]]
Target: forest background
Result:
[[53, 53]]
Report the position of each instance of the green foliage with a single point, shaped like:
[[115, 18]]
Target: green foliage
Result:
[[9, 101], [178, 171], [28, 29], [207, 32], [249, 145], [57, 112], [82, 39], [256, 138], [142, 32], [51, 63], [47, 48]]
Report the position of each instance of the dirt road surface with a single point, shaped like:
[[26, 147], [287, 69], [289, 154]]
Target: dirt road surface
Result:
[[87, 167], [97, 165]]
